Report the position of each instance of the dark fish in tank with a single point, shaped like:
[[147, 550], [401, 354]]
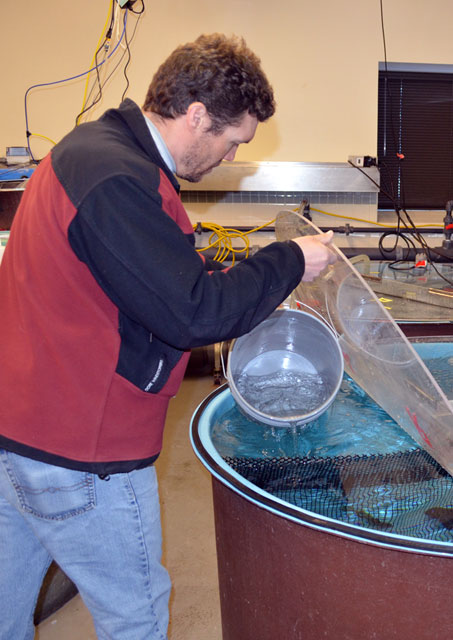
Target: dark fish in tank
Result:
[[369, 520], [444, 515]]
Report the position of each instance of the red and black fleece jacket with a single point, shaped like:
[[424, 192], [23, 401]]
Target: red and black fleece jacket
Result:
[[102, 295]]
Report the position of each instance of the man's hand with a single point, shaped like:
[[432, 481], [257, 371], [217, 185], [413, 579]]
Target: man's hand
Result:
[[317, 253]]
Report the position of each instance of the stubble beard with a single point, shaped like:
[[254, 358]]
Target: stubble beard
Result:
[[192, 170]]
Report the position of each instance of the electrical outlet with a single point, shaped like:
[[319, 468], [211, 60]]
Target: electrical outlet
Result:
[[362, 161]]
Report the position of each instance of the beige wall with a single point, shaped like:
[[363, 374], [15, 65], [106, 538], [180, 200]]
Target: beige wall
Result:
[[322, 58]]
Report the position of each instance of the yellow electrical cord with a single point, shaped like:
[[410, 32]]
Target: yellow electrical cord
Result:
[[377, 224], [221, 237], [37, 135], [94, 60]]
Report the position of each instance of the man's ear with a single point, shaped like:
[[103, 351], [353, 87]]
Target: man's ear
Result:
[[197, 117]]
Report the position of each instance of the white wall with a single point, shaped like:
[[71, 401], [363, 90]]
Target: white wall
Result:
[[321, 57]]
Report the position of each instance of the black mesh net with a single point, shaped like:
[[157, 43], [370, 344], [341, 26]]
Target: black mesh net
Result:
[[406, 493]]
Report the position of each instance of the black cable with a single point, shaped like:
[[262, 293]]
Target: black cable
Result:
[[137, 13], [119, 61], [128, 43], [128, 59], [409, 227], [386, 176], [376, 184], [103, 46], [98, 82], [113, 70], [383, 34], [410, 245]]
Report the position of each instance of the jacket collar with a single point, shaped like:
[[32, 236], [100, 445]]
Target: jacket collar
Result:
[[133, 117]]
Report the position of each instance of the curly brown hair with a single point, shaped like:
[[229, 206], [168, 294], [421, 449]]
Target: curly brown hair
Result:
[[220, 72]]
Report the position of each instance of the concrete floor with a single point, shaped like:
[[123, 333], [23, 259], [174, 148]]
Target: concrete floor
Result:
[[188, 529]]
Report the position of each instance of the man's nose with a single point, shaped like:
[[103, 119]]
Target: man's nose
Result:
[[231, 154]]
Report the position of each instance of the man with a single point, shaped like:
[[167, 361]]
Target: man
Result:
[[102, 296]]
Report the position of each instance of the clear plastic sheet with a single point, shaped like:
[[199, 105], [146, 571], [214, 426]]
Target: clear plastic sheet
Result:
[[377, 355]]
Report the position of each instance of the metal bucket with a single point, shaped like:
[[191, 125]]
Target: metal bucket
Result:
[[287, 370]]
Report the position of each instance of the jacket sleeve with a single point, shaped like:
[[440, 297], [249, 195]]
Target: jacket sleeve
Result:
[[150, 270]]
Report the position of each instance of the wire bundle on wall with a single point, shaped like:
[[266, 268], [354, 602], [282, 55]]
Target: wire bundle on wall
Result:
[[113, 37]]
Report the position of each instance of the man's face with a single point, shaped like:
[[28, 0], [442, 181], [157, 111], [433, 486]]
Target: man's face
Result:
[[208, 150]]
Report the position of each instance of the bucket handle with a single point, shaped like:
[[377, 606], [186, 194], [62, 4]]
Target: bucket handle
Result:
[[222, 360], [299, 302], [321, 317]]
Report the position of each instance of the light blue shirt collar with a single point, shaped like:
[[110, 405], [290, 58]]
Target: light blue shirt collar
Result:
[[160, 144]]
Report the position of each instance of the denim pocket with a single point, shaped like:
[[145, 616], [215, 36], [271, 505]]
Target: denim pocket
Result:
[[47, 491]]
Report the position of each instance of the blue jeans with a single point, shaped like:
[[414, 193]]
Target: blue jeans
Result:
[[104, 534]]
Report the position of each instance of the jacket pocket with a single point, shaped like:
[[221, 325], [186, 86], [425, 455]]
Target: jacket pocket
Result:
[[144, 360]]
